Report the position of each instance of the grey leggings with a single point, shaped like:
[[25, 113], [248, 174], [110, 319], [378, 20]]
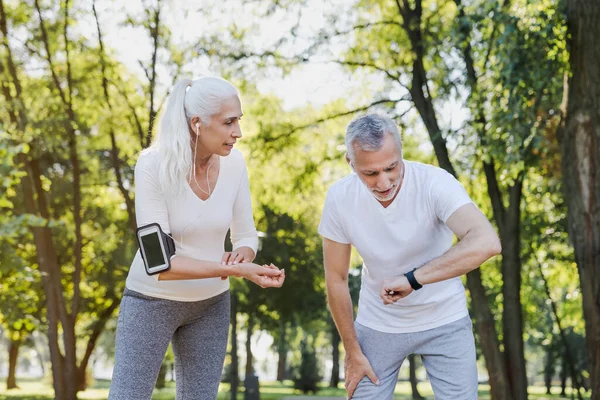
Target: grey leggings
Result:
[[146, 325]]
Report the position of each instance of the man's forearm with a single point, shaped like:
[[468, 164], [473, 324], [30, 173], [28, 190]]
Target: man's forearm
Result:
[[463, 257], [340, 304]]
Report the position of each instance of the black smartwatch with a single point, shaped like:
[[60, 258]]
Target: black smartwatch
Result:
[[410, 275]]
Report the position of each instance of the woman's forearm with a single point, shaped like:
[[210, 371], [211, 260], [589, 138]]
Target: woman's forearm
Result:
[[190, 268]]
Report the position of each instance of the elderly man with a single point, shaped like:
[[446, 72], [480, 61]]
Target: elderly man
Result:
[[401, 217]]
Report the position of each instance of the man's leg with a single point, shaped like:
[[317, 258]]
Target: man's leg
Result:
[[448, 353], [385, 352]]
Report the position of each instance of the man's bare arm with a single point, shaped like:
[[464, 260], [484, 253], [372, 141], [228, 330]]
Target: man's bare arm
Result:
[[477, 242], [337, 264]]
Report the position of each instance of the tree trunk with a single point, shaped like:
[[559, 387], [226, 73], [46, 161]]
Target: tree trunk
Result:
[[282, 350], [579, 138], [45, 251], [335, 357], [575, 376], [413, 377], [50, 269], [509, 370], [488, 340], [419, 90], [235, 376], [67, 319], [563, 376], [13, 355], [549, 366], [96, 330], [249, 356], [512, 313]]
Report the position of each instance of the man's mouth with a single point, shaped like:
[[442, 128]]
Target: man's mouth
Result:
[[385, 193]]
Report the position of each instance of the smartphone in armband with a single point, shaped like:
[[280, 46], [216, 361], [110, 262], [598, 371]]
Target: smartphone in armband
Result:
[[156, 247]]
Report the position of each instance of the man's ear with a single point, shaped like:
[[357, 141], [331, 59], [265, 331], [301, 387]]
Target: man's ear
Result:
[[349, 161]]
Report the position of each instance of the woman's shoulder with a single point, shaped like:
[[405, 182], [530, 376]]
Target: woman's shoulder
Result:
[[148, 158]]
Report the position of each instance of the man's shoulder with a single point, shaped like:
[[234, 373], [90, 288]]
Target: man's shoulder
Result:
[[424, 168], [344, 186], [427, 173]]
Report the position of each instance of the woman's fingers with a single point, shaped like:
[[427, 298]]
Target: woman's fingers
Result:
[[270, 272], [237, 258], [225, 258]]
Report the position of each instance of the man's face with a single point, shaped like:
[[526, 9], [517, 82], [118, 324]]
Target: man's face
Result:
[[382, 170]]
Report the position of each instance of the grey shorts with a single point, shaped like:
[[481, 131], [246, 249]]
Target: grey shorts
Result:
[[448, 354]]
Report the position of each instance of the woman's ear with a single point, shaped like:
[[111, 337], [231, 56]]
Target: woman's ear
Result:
[[195, 124]]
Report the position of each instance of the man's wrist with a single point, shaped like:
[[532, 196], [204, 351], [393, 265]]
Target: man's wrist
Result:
[[414, 283], [353, 349]]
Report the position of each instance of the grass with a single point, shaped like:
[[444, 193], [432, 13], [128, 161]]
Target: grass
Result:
[[42, 390]]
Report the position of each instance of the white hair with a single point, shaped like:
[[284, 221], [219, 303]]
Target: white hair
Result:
[[202, 98], [367, 132]]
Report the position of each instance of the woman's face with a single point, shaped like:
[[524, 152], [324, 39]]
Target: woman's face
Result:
[[224, 128]]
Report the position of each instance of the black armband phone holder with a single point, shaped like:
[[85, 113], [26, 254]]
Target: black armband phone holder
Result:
[[156, 248]]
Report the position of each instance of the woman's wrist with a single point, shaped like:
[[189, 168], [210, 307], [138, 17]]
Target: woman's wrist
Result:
[[235, 270]]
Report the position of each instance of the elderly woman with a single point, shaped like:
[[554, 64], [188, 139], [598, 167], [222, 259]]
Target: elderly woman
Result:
[[194, 184]]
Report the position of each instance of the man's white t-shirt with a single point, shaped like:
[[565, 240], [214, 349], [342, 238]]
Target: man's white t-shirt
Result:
[[198, 226], [392, 241]]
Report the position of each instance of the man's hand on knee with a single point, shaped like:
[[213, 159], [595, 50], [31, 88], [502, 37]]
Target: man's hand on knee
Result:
[[356, 367]]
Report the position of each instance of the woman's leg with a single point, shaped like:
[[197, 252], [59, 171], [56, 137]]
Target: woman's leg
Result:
[[200, 347], [144, 329]]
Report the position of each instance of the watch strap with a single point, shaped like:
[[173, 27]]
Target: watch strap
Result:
[[410, 275]]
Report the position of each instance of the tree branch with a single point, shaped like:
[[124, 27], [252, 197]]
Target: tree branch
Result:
[[116, 162], [46, 43], [333, 116], [353, 63], [154, 33], [138, 124]]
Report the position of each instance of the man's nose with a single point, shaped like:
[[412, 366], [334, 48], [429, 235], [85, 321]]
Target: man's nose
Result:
[[382, 182]]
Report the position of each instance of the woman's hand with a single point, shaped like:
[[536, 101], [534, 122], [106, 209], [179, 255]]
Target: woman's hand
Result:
[[264, 276], [242, 255]]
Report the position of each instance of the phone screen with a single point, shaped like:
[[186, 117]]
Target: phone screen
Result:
[[153, 250]]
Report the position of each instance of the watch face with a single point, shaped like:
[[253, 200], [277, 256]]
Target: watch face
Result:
[[153, 250]]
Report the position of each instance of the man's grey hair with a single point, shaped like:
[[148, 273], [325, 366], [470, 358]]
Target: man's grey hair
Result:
[[367, 133]]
